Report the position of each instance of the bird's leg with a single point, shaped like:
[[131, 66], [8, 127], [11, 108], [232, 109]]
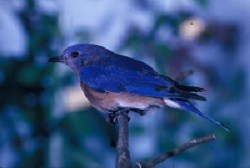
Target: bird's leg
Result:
[[124, 110], [111, 118], [112, 115]]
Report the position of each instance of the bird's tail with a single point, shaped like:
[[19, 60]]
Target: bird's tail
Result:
[[189, 92], [190, 88], [186, 105], [183, 87]]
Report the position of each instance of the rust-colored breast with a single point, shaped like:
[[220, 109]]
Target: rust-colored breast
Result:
[[110, 100], [101, 101]]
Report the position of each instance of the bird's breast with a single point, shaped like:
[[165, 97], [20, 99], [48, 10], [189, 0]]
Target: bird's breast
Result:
[[106, 101]]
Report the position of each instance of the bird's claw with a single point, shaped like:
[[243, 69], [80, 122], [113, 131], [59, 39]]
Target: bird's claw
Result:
[[112, 117]]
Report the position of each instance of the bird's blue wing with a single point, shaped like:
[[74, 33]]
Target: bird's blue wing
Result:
[[120, 79], [101, 79]]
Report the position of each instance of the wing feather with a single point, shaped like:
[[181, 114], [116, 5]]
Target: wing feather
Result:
[[118, 79], [124, 74]]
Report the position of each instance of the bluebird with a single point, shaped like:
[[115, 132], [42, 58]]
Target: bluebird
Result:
[[112, 82]]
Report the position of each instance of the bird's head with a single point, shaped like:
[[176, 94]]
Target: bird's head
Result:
[[79, 55]]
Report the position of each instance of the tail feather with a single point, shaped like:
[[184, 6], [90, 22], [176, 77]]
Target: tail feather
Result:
[[186, 93], [186, 105], [194, 96], [183, 87], [190, 88]]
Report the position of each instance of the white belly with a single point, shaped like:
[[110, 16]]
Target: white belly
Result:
[[139, 102], [131, 104]]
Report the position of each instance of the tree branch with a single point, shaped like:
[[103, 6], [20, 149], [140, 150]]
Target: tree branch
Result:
[[122, 156], [175, 151]]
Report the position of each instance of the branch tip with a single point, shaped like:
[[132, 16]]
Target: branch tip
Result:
[[176, 151]]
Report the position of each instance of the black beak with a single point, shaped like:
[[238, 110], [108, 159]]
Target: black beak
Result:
[[56, 59]]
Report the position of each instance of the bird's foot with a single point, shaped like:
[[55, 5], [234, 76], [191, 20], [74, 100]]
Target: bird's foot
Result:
[[112, 117], [124, 110]]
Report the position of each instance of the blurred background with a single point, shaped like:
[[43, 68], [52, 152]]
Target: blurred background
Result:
[[45, 120]]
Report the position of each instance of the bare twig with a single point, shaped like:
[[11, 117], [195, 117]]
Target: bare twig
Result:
[[123, 156], [175, 151]]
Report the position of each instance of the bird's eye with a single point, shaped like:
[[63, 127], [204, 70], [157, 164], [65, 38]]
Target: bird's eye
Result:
[[74, 54]]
